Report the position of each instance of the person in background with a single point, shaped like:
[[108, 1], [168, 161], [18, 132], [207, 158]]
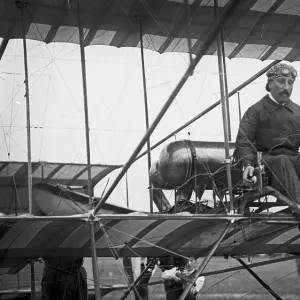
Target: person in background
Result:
[[64, 278], [176, 275]]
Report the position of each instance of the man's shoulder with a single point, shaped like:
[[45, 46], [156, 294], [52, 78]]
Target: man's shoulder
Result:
[[259, 104], [295, 106]]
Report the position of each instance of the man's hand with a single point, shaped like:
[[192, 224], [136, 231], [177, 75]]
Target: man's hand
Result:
[[198, 285], [248, 177]]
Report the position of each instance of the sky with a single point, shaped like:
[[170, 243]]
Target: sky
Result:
[[116, 105]]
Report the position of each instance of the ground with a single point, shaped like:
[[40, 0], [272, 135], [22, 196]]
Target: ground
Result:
[[282, 277]]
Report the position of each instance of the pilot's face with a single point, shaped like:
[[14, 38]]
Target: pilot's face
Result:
[[281, 88]]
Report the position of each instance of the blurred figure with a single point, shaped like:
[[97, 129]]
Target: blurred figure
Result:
[[176, 275], [189, 272], [64, 279]]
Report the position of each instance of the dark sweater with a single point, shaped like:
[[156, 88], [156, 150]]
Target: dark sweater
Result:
[[270, 128]]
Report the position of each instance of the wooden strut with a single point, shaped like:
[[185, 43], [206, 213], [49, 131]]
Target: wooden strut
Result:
[[140, 20], [189, 40], [212, 217], [225, 109], [32, 280], [87, 137], [28, 125], [29, 164], [205, 262], [266, 286], [94, 261]]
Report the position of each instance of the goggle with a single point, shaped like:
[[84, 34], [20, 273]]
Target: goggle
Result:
[[286, 72]]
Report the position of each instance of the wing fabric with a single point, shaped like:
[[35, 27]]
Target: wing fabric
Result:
[[35, 238], [268, 31]]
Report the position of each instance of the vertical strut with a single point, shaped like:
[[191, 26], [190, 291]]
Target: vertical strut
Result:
[[189, 41], [32, 280], [28, 133], [225, 83], [225, 111], [87, 137], [94, 261], [27, 115], [140, 19]]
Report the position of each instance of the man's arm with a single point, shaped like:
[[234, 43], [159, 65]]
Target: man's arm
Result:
[[245, 151], [170, 275]]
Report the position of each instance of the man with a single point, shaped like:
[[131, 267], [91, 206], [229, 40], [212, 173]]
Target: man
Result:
[[272, 126], [176, 279], [64, 278]]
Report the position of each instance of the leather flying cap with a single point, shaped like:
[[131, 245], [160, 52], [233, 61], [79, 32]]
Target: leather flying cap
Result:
[[280, 70]]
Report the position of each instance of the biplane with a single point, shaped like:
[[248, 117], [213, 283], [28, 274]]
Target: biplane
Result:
[[243, 28]]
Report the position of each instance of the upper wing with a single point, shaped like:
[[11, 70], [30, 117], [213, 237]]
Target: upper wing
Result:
[[254, 31]]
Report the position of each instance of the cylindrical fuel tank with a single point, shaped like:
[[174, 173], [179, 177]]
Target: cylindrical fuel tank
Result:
[[181, 160]]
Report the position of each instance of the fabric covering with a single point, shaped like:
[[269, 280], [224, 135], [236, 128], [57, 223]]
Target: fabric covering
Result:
[[16, 173], [266, 29]]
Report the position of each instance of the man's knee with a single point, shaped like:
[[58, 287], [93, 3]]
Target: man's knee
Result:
[[283, 158], [281, 161]]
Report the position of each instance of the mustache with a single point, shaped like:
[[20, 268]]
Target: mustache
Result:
[[284, 93]]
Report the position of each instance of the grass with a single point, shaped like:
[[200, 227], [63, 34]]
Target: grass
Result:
[[282, 277]]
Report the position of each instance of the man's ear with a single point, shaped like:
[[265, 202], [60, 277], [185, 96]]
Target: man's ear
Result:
[[268, 87]]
